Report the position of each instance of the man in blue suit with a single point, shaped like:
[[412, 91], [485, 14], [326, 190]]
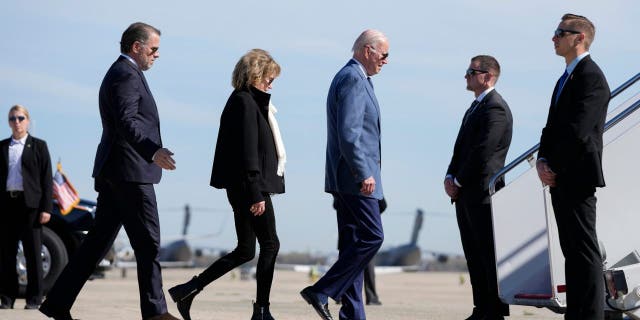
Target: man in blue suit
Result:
[[352, 176], [129, 160]]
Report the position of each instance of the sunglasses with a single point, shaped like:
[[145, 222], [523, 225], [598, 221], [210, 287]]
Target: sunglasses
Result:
[[153, 49], [384, 55], [472, 72], [559, 33], [19, 118]]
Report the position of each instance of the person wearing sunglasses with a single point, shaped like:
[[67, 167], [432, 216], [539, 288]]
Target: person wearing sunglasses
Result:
[[129, 161], [26, 191], [249, 163], [479, 152], [352, 176], [570, 163]]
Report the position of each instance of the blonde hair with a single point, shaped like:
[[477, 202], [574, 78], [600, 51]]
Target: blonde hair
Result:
[[20, 108], [252, 67]]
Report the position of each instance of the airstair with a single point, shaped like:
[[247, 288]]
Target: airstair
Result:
[[529, 262]]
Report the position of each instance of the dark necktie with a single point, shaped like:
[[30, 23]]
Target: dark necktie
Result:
[[472, 108], [561, 82], [370, 83]]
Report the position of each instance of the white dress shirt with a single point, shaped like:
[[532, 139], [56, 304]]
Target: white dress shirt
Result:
[[14, 178]]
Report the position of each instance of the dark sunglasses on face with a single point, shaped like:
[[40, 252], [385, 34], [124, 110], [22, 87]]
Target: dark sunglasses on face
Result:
[[559, 33], [473, 72], [14, 118], [384, 55], [153, 49]]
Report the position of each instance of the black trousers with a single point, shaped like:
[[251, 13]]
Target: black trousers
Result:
[[120, 204], [575, 211], [473, 213], [248, 228], [20, 223], [370, 293]]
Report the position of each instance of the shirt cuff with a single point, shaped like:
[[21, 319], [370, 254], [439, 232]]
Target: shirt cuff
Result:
[[450, 176]]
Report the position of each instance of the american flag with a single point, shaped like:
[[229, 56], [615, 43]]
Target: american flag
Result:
[[64, 191]]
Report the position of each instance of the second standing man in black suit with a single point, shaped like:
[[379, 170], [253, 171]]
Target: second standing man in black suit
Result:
[[129, 160], [479, 152], [570, 163]]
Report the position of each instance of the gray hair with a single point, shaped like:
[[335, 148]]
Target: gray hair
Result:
[[369, 37]]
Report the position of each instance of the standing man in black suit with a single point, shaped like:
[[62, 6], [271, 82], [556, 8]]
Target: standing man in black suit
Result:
[[26, 191], [570, 163], [479, 152], [129, 160]]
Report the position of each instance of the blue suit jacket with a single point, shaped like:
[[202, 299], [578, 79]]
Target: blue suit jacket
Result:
[[130, 127], [353, 133]]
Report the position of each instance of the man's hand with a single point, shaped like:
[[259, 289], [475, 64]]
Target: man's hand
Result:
[[451, 189], [163, 159], [546, 175], [368, 185], [44, 217], [257, 208]]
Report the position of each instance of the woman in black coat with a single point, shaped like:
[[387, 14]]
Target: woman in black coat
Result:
[[26, 203], [249, 164]]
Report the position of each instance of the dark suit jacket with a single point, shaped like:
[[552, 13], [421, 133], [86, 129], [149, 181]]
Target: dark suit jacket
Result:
[[36, 173], [571, 141], [482, 145], [130, 126], [245, 155]]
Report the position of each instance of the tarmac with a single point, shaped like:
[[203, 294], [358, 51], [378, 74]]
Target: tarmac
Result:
[[404, 296]]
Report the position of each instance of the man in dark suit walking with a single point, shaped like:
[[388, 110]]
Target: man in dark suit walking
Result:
[[479, 152], [129, 160], [570, 163], [352, 176]]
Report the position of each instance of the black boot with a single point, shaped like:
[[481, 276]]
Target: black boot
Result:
[[183, 295], [261, 312]]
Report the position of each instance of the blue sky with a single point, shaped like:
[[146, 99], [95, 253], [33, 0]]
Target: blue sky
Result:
[[54, 55]]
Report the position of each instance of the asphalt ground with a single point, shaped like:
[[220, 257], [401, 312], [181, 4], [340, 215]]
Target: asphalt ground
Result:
[[404, 296]]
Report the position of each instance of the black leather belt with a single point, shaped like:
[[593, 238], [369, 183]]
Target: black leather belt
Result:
[[14, 193]]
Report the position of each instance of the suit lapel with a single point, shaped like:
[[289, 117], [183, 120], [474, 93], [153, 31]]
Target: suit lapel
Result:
[[140, 73], [27, 152], [5, 152], [368, 87], [569, 82]]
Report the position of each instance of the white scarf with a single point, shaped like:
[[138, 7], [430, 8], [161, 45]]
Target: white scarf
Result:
[[277, 138]]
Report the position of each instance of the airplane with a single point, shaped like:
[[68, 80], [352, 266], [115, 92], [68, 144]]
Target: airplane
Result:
[[403, 258], [404, 255]]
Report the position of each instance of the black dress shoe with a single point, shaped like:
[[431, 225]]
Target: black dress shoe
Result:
[[313, 298], [6, 302], [183, 295], [55, 314], [374, 303], [32, 306]]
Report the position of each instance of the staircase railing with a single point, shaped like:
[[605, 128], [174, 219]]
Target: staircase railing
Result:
[[528, 155]]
